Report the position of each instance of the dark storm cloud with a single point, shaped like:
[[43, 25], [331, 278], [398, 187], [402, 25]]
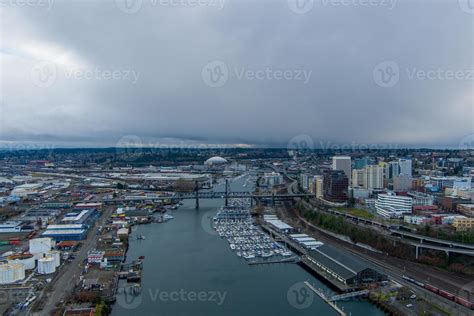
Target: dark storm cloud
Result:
[[277, 72]]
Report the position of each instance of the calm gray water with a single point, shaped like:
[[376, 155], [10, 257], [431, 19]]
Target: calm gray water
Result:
[[188, 270]]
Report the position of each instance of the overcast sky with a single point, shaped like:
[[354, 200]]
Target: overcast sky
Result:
[[265, 73]]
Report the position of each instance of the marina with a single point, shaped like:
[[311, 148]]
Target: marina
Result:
[[214, 266], [235, 224]]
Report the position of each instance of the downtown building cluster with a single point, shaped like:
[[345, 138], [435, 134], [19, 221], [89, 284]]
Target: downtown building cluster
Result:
[[402, 188]]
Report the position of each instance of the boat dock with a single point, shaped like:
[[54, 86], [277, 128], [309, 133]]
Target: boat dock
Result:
[[321, 295], [293, 259]]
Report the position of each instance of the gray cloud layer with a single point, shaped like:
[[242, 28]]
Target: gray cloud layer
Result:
[[118, 73]]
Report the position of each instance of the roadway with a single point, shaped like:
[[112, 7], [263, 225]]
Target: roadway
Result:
[[66, 279]]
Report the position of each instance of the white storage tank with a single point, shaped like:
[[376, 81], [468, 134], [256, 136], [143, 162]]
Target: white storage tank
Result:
[[18, 271], [27, 259], [40, 246], [6, 274], [57, 257], [11, 272], [46, 265]]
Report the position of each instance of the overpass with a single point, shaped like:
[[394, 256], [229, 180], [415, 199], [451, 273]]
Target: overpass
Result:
[[421, 238], [208, 195], [447, 250]]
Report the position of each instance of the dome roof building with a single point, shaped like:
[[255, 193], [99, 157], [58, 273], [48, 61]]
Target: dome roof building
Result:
[[215, 161]]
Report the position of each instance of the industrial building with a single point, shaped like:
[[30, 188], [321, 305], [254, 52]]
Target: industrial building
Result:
[[83, 217], [342, 268], [66, 232]]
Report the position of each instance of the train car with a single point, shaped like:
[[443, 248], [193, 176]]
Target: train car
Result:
[[463, 302], [447, 295], [408, 278], [419, 283], [431, 288]]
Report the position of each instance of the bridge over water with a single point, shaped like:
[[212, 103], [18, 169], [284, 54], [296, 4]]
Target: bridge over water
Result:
[[197, 195]]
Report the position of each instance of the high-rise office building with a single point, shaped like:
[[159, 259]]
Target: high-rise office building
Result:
[[360, 163], [358, 178], [336, 185], [343, 163], [374, 177], [394, 169], [319, 186], [371, 177], [405, 166]]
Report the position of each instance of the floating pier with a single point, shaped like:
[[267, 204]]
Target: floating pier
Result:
[[293, 259], [328, 301]]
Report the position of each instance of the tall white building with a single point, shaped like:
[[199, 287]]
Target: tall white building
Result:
[[358, 178], [405, 166], [393, 206], [318, 186], [371, 177], [343, 163], [374, 177]]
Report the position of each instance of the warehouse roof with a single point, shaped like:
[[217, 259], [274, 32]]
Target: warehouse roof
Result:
[[339, 262]]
